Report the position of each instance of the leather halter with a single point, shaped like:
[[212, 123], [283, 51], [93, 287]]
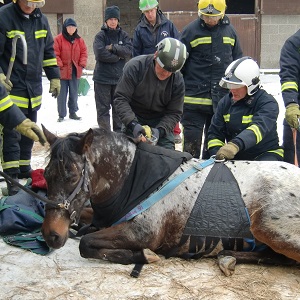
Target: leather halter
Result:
[[83, 184]]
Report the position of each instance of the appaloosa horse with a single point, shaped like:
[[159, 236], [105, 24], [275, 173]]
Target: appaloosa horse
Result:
[[111, 171]]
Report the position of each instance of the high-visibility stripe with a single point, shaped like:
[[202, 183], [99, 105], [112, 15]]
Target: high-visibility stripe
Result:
[[200, 41], [215, 143], [226, 118], [256, 131], [5, 103], [228, 40], [25, 162], [194, 100], [280, 152], [10, 164], [24, 102], [50, 62], [41, 34], [11, 34], [289, 85], [247, 119]]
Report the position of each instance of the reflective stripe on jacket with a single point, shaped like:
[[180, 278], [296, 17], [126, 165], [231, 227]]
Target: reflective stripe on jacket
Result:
[[250, 123], [211, 50]]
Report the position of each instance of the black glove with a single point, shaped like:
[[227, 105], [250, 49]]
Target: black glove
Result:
[[155, 133], [137, 129]]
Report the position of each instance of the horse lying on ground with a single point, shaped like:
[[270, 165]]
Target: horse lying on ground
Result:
[[98, 165]]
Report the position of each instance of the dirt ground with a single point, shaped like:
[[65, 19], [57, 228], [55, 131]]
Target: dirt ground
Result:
[[63, 274]]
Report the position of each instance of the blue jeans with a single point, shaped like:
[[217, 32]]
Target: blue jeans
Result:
[[71, 87]]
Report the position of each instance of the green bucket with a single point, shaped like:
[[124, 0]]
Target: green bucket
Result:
[[83, 87]]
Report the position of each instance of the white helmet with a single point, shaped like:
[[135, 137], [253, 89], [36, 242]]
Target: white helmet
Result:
[[242, 72]]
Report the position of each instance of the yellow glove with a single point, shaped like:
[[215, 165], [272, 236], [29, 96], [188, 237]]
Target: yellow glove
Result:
[[292, 113], [54, 87], [227, 151], [148, 131], [8, 85], [32, 131]]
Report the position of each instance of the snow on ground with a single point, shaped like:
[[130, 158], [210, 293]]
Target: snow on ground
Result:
[[63, 274]]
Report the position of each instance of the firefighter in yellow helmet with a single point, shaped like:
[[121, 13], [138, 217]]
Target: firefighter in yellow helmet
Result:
[[213, 45], [24, 17]]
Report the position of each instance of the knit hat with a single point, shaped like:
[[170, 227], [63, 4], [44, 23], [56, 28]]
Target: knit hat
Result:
[[112, 12], [70, 22]]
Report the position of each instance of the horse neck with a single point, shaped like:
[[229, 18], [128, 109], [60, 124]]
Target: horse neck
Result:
[[109, 166]]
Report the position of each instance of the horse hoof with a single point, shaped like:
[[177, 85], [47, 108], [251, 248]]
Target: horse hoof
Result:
[[227, 264], [150, 256]]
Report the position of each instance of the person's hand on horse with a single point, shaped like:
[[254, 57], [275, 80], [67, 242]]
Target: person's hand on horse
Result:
[[292, 114], [137, 130], [8, 85], [228, 151], [54, 87], [32, 131]]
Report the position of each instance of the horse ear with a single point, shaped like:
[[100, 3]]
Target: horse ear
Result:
[[51, 138], [86, 141]]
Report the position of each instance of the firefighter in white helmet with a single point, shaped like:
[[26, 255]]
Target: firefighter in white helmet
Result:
[[25, 83], [213, 44], [244, 126]]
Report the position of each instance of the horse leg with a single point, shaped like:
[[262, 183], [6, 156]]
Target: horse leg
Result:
[[227, 259], [115, 246], [121, 256], [267, 257]]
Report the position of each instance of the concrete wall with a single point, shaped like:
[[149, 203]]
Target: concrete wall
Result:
[[274, 31]]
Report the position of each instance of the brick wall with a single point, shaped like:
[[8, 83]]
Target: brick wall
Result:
[[274, 31]]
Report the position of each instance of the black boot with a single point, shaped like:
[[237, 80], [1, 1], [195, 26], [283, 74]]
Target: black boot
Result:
[[11, 188], [74, 117]]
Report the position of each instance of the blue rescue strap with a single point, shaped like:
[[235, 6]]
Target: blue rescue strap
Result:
[[166, 189]]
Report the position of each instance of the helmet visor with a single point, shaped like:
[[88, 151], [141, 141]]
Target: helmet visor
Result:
[[230, 85], [34, 4]]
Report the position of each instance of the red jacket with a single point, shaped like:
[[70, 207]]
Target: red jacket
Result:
[[68, 53]]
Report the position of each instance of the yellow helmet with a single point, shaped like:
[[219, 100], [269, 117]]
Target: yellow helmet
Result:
[[211, 8], [34, 3]]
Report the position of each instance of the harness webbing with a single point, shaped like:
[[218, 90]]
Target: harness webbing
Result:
[[166, 189]]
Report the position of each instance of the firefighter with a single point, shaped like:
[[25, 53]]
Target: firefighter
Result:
[[213, 44], [11, 117], [150, 92], [244, 126], [25, 85], [290, 85]]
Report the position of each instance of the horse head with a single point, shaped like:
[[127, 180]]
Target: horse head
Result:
[[82, 167]]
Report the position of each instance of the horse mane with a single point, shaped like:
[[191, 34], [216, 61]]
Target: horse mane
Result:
[[63, 147]]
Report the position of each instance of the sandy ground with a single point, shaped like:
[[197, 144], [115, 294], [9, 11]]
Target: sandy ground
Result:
[[63, 274]]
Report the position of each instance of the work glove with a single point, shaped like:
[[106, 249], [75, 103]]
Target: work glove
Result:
[[137, 130], [155, 133], [228, 151], [8, 85], [54, 87], [292, 113], [109, 47], [32, 131]]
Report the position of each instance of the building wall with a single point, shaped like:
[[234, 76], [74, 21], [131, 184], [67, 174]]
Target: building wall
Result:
[[275, 29]]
